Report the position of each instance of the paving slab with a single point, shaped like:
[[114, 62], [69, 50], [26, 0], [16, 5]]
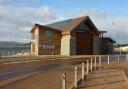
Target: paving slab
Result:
[[105, 79]]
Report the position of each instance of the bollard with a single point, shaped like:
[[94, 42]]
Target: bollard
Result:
[[95, 63], [63, 81], [82, 71], [91, 65], [87, 67], [13, 53], [126, 57], [118, 58], [75, 77], [108, 59], [2, 53], [8, 53], [99, 62]]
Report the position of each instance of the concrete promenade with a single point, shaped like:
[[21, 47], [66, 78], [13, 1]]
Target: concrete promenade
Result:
[[111, 75], [50, 79], [106, 78]]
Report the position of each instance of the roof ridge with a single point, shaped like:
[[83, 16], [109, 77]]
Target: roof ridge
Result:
[[57, 22], [65, 20]]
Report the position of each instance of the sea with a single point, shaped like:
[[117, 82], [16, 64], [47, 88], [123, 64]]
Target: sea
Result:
[[8, 51]]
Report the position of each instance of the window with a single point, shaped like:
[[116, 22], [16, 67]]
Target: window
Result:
[[83, 27], [48, 34]]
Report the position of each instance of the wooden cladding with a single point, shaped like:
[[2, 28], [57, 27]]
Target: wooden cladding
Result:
[[84, 43]]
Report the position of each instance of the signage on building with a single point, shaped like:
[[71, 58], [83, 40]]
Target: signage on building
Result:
[[47, 46]]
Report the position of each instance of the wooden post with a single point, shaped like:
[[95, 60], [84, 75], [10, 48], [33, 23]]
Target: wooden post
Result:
[[3, 53], [108, 59], [87, 66], [126, 57], [63, 81], [75, 77], [99, 62], [95, 63], [83, 71], [8, 53], [91, 65], [118, 58]]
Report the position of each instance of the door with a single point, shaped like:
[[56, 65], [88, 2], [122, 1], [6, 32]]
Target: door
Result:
[[33, 47], [84, 43]]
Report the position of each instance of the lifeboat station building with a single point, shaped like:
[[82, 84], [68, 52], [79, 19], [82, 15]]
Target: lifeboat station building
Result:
[[78, 36]]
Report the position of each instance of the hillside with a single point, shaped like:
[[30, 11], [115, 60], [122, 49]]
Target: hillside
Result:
[[10, 44], [120, 45]]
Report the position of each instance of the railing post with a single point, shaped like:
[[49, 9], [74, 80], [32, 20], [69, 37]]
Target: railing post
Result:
[[63, 81], [95, 63], [75, 77], [99, 62], [91, 65], [87, 66], [118, 58], [83, 71], [108, 59]]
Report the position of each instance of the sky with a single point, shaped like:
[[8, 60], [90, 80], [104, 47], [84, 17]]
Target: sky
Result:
[[18, 16]]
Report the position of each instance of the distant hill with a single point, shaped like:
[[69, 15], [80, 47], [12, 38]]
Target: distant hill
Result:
[[12, 44], [121, 45]]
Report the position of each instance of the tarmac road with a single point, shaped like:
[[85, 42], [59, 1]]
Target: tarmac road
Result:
[[22, 70], [31, 69]]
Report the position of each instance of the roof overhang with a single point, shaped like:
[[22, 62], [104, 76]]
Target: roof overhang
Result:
[[109, 38], [91, 25], [44, 27]]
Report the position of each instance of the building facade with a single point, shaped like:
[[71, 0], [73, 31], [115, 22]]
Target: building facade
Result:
[[78, 36], [106, 45]]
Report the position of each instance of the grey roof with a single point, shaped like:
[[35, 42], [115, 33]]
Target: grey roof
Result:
[[67, 25]]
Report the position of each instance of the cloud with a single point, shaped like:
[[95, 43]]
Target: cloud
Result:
[[104, 21], [16, 22]]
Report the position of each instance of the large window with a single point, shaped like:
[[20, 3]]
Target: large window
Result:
[[48, 34], [83, 27]]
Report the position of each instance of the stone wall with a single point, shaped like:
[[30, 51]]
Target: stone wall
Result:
[[35, 42], [68, 45]]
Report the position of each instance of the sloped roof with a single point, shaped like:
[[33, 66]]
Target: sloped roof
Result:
[[68, 25], [109, 38]]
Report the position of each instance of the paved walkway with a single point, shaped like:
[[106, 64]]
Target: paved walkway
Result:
[[105, 79]]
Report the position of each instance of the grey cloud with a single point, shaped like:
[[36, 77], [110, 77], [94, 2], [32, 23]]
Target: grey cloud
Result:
[[104, 21], [16, 22]]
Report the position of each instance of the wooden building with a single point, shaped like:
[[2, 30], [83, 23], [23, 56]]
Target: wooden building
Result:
[[78, 36], [106, 45]]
